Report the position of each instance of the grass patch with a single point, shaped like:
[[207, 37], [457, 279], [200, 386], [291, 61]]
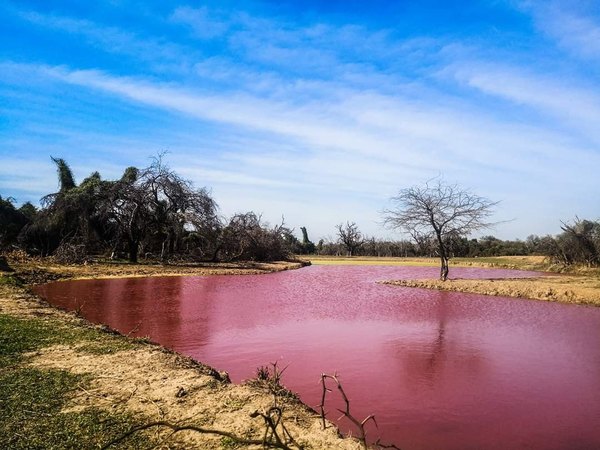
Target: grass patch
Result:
[[18, 336], [10, 280], [369, 261], [31, 401]]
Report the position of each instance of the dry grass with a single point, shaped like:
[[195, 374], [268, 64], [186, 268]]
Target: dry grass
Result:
[[578, 289], [508, 262], [368, 261], [36, 271]]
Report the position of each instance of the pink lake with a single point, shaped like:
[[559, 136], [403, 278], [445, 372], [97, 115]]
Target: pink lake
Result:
[[440, 370]]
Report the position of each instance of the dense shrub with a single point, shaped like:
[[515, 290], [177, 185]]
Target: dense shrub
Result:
[[151, 212], [247, 238]]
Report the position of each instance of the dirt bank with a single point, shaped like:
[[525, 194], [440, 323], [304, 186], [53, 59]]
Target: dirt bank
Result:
[[139, 380], [566, 289]]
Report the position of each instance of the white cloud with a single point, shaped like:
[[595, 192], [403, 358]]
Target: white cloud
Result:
[[569, 100], [390, 130], [574, 28]]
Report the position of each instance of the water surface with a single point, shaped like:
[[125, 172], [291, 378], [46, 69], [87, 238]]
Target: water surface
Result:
[[440, 370]]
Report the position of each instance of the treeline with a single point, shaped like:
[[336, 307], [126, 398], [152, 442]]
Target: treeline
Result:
[[460, 247], [150, 212], [155, 214], [579, 243]]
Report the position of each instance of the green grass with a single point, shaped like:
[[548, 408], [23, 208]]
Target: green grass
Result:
[[18, 336], [10, 280], [32, 400]]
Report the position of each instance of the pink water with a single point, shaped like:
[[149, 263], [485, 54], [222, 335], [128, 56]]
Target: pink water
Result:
[[439, 370]]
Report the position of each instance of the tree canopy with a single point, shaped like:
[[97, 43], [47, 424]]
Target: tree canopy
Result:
[[443, 211], [350, 237]]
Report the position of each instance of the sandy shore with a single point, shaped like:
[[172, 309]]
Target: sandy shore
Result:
[[578, 289]]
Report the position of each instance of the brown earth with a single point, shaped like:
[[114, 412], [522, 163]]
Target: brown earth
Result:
[[155, 383]]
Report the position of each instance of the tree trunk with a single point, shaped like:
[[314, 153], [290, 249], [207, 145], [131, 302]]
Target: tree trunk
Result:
[[443, 255], [133, 250], [444, 268], [163, 251]]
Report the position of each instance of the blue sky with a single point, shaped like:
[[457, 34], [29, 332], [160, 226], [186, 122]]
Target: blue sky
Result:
[[315, 111]]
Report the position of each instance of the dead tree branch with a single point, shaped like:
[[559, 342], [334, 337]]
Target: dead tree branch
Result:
[[359, 424]]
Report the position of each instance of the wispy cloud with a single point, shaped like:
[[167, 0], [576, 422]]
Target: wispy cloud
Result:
[[203, 23], [570, 101], [115, 40], [573, 26], [392, 130]]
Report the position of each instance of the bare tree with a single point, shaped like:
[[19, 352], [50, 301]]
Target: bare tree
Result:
[[350, 237], [157, 208], [441, 211], [580, 242]]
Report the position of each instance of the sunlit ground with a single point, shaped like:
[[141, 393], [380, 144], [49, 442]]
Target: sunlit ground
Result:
[[521, 262]]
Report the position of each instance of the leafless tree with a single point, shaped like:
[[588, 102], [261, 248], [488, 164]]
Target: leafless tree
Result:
[[247, 237], [350, 236], [157, 207], [441, 211], [579, 243]]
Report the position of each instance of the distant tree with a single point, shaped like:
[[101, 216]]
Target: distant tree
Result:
[[175, 206], [152, 210], [532, 243], [125, 207], [65, 215], [66, 180], [28, 210], [308, 247], [441, 212], [350, 237], [157, 208], [320, 246]]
